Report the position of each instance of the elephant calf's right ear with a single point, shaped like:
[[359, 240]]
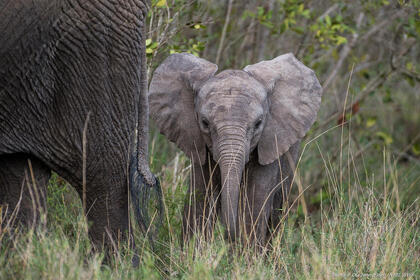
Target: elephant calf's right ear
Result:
[[171, 97]]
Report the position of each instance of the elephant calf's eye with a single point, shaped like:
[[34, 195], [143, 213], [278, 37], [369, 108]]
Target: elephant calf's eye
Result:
[[258, 124], [205, 123]]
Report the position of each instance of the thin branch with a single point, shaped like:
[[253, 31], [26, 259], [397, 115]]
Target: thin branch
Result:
[[381, 25], [222, 38], [264, 34], [343, 55], [411, 74], [373, 84], [328, 11]]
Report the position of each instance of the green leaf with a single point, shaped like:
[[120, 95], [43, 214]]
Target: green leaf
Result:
[[282, 28], [267, 24], [387, 97], [269, 15], [161, 3], [298, 30], [260, 11], [418, 26], [306, 13], [321, 196], [153, 45], [301, 7], [409, 65], [286, 24], [248, 14], [300, 210], [416, 149], [385, 137], [148, 42], [410, 80], [328, 20], [340, 40], [336, 27], [370, 122]]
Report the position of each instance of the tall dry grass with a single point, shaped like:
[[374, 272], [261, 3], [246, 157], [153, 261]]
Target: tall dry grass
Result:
[[362, 227]]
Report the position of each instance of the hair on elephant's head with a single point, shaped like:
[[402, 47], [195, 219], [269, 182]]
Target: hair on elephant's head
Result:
[[267, 106]]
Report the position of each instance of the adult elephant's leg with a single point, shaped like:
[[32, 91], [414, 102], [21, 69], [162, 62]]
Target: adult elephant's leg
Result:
[[23, 181], [106, 207], [201, 203], [107, 214]]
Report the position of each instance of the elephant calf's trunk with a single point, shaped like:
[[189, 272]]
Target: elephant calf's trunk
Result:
[[231, 167]]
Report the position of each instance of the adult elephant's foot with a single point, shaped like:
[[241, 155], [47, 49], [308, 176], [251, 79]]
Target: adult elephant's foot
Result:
[[23, 182], [107, 215]]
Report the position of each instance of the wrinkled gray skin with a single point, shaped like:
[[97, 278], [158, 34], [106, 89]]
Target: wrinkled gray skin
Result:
[[236, 127], [66, 65]]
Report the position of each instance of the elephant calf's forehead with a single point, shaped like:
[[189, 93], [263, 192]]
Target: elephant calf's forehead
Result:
[[233, 82], [233, 95]]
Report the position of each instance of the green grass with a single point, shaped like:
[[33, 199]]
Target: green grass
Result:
[[363, 224]]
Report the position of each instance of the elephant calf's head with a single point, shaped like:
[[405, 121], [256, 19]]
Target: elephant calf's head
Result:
[[269, 106]]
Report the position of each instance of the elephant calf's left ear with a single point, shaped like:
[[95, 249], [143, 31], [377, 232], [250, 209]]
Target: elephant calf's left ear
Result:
[[295, 96]]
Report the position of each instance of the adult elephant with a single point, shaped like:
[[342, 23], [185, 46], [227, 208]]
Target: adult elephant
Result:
[[73, 100]]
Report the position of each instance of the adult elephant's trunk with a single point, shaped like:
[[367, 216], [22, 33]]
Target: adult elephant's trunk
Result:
[[231, 150]]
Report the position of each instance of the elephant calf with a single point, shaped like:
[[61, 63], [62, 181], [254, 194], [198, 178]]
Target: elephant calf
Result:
[[243, 121]]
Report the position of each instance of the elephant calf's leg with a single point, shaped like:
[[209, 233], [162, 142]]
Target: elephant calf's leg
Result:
[[199, 214], [200, 207], [285, 176], [23, 181], [262, 183]]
